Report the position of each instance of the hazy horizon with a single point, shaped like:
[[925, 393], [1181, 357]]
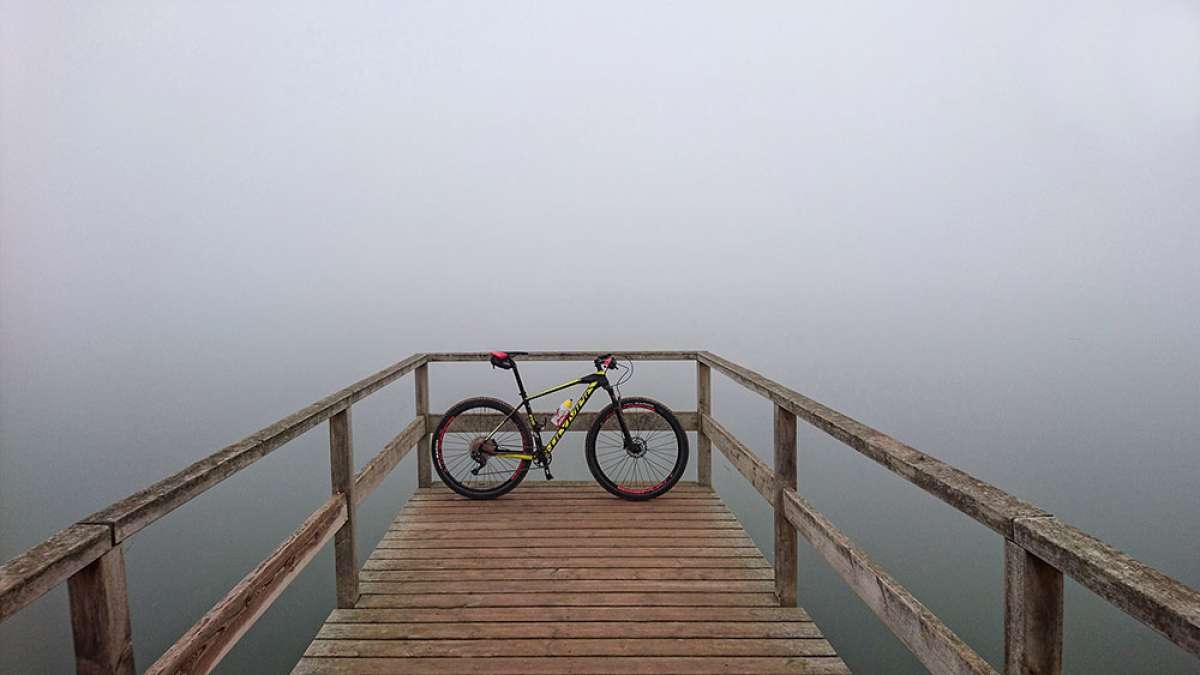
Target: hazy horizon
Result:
[[974, 227]]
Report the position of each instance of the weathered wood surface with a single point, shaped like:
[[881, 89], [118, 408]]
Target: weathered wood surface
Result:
[[984, 502], [511, 591], [100, 617], [559, 489], [688, 535], [486, 422], [703, 408], [572, 355], [341, 464], [1160, 602], [1033, 614], [785, 534], [142, 508], [630, 627], [556, 646], [205, 643], [579, 665], [563, 615], [382, 464], [421, 404], [759, 473], [28, 576], [930, 640]]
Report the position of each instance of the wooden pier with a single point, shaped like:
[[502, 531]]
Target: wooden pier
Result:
[[566, 578], [590, 584]]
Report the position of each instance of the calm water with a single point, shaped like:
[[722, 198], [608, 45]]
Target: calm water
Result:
[[1070, 454]]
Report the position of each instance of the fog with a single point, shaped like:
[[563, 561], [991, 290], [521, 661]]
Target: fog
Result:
[[973, 226]]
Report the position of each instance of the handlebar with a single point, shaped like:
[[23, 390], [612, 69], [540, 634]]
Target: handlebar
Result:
[[606, 362]]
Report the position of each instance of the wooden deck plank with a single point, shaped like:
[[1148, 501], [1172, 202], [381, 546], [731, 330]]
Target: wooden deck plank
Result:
[[587, 586], [564, 578], [576, 665], [553, 507], [382, 573], [482, 554], [468, 532], [556, 562], [569, 614], [561, 508], [565, 630], [612, 646], [556, 599], [573, 518], [572, 522], [424, 495], [560, 542]]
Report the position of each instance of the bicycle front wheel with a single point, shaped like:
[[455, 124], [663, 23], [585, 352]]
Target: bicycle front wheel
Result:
[[652, 464], [470, 445]]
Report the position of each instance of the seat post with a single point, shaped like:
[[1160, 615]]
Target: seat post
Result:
[[537, 428], [520, 384]]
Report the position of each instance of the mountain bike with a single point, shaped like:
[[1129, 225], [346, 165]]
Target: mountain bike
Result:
[[636, 448]]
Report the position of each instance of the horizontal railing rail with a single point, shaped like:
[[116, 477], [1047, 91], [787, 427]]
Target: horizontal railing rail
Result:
[[88, 555], [1039, 548]]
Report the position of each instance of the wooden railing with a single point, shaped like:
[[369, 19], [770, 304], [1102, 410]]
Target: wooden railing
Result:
[[1039, 548]]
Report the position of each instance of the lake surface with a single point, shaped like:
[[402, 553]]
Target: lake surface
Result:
[[1071, 454]]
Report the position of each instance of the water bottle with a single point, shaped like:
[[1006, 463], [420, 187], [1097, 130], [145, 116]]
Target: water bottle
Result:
[[561, 413]]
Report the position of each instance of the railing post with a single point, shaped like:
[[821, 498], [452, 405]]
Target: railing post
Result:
[[1033, 614], [785, 534], [424, 469], [100, 617], [341, 462], [703, 407]]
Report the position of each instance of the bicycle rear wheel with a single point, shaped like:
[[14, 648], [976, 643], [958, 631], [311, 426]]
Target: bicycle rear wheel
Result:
[[467, 442], [653, 464]]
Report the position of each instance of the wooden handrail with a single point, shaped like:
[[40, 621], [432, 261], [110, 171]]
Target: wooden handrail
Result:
[[1039, 548], [759, 473], [210, 638], [573, 355], [137, 511], [28, 576], [382, 464], [925, 635], [1155, 599], [88, 553], [986, 503], [1162, 603], [930, 640]]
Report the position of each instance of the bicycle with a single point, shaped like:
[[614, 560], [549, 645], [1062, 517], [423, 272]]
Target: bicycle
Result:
[[636, 449]]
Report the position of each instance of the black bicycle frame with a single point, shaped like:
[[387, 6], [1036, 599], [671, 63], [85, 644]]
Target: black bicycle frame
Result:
[[598, 379]]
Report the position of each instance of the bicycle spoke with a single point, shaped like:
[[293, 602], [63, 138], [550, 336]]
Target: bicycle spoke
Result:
[[654, 457], [468, 450]]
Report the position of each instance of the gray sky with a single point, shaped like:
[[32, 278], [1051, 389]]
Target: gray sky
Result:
[[175, 168], [274, 200], [974, 225]]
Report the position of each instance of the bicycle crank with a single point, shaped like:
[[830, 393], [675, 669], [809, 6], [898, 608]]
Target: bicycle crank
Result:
[[543, 461]]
